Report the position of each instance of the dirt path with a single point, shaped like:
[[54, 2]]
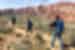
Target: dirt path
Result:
[[45, 36], [18, 30]]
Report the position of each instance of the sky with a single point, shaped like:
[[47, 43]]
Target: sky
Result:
[[25, 3]]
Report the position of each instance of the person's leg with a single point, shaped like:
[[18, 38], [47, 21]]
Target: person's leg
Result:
[[53, 38], [29, 29], [61, 42]]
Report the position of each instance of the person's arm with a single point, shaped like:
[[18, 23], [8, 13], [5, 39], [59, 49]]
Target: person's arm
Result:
[[53, 24]]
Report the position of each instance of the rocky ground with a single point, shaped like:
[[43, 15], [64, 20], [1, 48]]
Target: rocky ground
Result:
[[22, 40], [39, 40]]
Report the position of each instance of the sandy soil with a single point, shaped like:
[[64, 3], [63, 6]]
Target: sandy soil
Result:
[[31, 37], [45, 36]]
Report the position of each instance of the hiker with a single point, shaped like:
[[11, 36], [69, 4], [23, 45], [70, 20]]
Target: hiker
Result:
[[58, 26], [29, 25], [13, 20]]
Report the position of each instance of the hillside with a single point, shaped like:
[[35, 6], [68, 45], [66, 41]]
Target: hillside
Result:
[[67, 11]]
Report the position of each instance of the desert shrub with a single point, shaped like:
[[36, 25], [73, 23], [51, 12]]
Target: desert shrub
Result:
[[6, 31], [39, 37], [18, 35]]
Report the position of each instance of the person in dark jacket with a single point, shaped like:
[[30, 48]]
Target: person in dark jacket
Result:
[[29, 25], [13, 20], [59, 28]]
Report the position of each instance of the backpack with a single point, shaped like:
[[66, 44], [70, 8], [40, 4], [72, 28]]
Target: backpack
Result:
[[53, 24]]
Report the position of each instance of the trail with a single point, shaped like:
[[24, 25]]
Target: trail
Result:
[[21, 31], [45, 36]]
